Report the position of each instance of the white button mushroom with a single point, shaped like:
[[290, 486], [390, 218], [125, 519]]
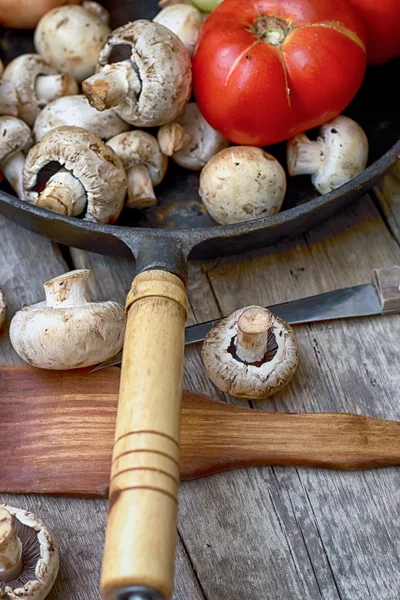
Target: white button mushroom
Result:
[[190, 140], [76, 111], [144, 164], [185, 21], [28, 555], [242, 183], [30, 83], [150, 88], [3, 308], [68, 331], [93, 179], [70, 38], [15, 139], [251, 354], [339, 154]]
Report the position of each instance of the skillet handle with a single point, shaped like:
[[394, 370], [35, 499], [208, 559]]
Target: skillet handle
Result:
[[141, 535]]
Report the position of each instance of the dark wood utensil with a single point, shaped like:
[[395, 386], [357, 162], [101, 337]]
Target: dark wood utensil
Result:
[[57, 433]]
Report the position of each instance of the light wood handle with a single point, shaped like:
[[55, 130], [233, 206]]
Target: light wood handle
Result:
[[141, 532]]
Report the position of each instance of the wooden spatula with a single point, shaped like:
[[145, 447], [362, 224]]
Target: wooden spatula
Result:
[[57, 428]]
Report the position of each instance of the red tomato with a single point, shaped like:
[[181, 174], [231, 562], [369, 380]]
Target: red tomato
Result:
[[382, 21], [265, 70]]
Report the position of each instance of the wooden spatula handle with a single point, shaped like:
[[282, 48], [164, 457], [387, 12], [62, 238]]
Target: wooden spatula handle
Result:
[[141, 532]]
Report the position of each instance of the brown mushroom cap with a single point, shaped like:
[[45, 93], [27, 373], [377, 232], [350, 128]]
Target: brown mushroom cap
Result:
[[22, 73], [164, 68], [15, 136], [92, 162], [252, 381], [39, 555], [76, 111]]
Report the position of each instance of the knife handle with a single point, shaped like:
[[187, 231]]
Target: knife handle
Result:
[[141, 533]]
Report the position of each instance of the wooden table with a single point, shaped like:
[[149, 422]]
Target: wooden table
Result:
[[265, 533]]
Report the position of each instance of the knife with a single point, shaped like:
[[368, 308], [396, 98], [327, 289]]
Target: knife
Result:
[[380, 297]]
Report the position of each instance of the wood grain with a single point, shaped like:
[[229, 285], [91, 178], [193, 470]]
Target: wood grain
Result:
[[65, 424], [318, 528], [142, 524]]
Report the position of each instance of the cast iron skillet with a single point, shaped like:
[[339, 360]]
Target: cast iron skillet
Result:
[[141, 534], [179, 227]]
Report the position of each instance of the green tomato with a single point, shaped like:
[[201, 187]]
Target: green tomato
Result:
[[206, 6]]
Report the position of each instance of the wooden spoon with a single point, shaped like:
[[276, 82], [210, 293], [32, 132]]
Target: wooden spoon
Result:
[[57, 430]]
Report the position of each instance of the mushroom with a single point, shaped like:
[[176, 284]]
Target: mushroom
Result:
[[251, 354], [67, 331], [153, 85], [15, 139], [185, 21], [339, 154], [144, 163], [28, 555], [92, 180], [76, 111], [242, 183], [3, 308], [190, 140], [31, 83], [70, 37]]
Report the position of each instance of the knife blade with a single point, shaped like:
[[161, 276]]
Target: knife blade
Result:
[[346, 303]]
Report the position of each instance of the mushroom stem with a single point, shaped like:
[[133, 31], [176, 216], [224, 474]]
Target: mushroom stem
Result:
[[304, 156], [51, 87], [140, 188], [12, 168], [109, 87], [69, 289], [11, 564], [252, 336], [172, 138], [63, 194]]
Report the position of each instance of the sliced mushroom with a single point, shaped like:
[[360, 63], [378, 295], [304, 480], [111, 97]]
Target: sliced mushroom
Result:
[[70, 38], [3, 308], [93, 179], [150, 88], [67, 331], [15, 139], [31, 83], [251, 354], [242, 183], [28, 555], [144, 163], [339, 154], [190, 140], [185, 21], [76, 111]]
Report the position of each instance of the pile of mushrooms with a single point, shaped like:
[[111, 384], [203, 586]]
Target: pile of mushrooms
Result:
[[251, 354], [140, 75], [67, 331], [28, 555]]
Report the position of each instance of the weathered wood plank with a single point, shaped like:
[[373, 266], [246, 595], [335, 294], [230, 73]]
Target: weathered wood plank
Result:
[[341, 521], [27, 261]]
